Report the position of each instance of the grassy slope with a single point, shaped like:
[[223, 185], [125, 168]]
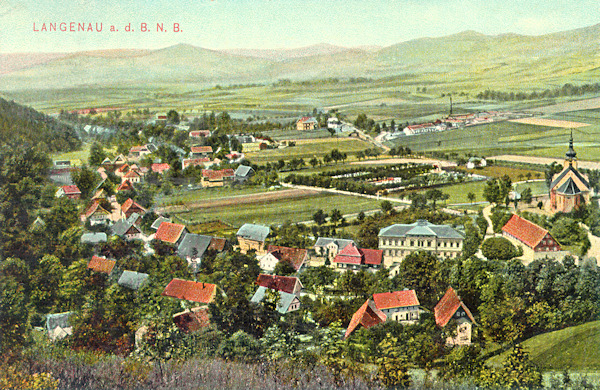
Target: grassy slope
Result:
[[574, 348]]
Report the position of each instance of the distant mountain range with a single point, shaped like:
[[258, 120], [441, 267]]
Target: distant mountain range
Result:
[[469, 56]]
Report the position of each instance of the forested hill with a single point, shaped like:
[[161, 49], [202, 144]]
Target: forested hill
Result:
[[23, 125]]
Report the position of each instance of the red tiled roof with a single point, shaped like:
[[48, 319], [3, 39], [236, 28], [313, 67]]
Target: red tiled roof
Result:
[[526, 231], [100, 264], [192, 320], [217, 244], [200, 133], [126, 185], [95, 206], [447, 306], [368, 315], [190, 290], [169, 232], [71, 190], [295, 256], [195, 161], [395, 299], [372, 256], [160, 168], [123, 168], [351, 254], [129, 203], [217, 175], [131, 174], [201, 149], [277, 282]]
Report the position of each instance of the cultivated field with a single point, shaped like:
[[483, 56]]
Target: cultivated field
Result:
[[309, 148], [586, 104], [240, 200], [297, 208], [208, 194], [545, 160], [550, 122]]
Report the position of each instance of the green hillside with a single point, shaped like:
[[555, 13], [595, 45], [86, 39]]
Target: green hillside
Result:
[[574, 348], [21, 125], [468, 60]]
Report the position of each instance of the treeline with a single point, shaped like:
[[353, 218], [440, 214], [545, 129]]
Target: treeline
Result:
[[566, 90], [356, 179], [328, 80], [24, 125], [224, 122], [405, 171]]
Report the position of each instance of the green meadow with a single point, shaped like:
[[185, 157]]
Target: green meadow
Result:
[[573, 348]]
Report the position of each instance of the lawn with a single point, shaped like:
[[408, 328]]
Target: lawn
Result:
[[293, 210], [77, 157], [573, 348], [537, 187], [458, 193]]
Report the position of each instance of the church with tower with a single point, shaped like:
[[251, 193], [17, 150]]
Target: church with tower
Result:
[[569, 188]]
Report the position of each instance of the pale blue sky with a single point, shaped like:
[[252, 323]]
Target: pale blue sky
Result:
[[227, 24]]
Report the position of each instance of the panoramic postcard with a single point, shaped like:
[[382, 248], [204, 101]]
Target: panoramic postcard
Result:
[[299, 194]]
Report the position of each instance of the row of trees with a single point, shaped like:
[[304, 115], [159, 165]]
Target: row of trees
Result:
[[567, 89]]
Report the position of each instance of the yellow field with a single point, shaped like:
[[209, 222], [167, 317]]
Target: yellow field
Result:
[[550, 123]]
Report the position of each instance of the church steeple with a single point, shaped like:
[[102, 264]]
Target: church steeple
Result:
[[571, 155]]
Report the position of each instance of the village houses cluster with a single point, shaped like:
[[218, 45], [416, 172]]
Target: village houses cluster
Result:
[[569, 188]]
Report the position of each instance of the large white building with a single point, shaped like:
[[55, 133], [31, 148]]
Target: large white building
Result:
[[399, 240]]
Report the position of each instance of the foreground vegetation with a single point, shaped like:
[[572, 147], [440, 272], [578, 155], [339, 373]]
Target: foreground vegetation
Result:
[[574, 348]]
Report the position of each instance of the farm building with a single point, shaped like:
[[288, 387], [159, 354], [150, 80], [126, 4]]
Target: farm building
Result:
[[307, 123], [402, 306], [252, 237], [538, 243]]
